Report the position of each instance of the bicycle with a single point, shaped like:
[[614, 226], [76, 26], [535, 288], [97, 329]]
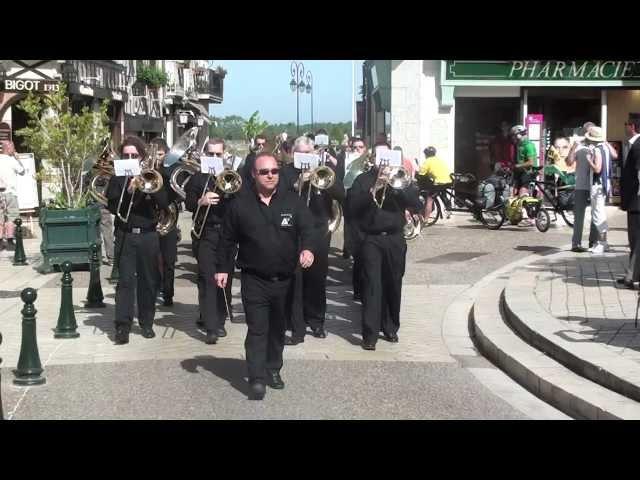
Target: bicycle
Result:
[[552, 193], [447, 198]]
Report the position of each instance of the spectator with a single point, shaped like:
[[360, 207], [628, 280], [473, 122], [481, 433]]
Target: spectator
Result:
[[10, 166]]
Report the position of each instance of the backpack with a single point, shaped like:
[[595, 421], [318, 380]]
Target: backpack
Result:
[[566, 199], [491, 191]]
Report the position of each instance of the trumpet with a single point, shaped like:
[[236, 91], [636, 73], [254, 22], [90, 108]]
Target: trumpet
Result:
[[149, 181], [397, 178], [228, 181]]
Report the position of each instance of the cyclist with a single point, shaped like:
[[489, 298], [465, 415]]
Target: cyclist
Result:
[[525, 158], [433, 177]]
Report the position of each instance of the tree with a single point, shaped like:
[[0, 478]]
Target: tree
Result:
[[66, 140], [253, 126]]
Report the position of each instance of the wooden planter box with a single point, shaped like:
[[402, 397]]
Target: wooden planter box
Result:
[[67, 235]]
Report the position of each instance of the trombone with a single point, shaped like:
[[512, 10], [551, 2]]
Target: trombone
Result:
[[149, 181], [228, 181], [397, 178]]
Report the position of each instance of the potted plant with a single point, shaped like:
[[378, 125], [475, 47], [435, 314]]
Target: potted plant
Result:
[[66, 142], [153, 77]]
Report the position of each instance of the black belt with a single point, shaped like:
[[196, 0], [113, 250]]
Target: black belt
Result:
[[383, 234], [138, 230], [278, 277]]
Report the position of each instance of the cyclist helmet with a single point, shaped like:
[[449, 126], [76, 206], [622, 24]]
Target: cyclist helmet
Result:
[[518, 130], [429, 152]]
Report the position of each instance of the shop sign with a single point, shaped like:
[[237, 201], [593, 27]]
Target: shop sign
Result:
[[19, 85], [572, 70]]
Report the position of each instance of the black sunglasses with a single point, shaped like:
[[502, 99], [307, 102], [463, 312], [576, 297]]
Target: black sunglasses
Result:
[[266, 171], [130, 155], [212, 154]]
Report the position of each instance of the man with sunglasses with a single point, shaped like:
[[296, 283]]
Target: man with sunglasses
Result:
[[309, 302], [211, 299], [275, 233], [382, 252], [137, 244]]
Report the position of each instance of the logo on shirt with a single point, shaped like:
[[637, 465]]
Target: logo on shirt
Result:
[[286, 219]]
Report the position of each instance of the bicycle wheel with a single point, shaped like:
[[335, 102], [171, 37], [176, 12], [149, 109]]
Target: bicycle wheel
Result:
[[436, 212], [568, 217], [492, 219], [543, 222]]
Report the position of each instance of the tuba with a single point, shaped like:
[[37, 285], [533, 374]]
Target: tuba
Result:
[[104, 170], [184, 152], [359, 165]]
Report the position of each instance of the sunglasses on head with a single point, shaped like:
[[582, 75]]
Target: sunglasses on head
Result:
[[266, 171]]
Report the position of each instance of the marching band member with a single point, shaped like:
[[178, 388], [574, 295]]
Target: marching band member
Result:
[[212, 300], [383, 252], [138, 245], [309, 303], [274, 230], [168, 242], [247, 166]]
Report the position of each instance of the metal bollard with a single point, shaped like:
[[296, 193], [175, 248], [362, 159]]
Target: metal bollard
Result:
[[19, 258], [95, 296], [67, 325], [29, 371]]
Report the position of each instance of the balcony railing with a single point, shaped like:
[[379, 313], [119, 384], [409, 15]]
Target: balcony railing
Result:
[[209, 84], [96, 74], [143, 105], [175, 87]]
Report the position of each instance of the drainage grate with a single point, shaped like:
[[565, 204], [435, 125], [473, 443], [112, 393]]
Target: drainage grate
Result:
[[453, 257], [9, 294]]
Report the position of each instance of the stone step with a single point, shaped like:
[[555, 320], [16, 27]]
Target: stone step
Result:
[[540, 374], [549, 334]]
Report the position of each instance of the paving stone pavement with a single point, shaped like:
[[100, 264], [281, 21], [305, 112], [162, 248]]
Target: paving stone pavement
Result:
[[440, 266]]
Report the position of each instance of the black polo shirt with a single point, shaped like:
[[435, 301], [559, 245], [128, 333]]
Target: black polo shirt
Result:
[[390, 218], [270, 237], [144, 212]]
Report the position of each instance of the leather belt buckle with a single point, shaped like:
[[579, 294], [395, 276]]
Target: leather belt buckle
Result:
[[136, 230]]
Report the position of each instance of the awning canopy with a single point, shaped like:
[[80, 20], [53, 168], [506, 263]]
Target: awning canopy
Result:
[[202, 110]]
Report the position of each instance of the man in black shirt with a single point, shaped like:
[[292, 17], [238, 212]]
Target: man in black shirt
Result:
[[274, 230], [138, 246], [168, 242], [211, 299], [383, 253], [247, 167], [309, 304]]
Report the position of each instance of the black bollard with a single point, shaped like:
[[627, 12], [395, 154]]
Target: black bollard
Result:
[[95, 296], [67, 325], [29, 371], [19, 258]]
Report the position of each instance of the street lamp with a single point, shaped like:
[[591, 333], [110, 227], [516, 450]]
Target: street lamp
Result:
[[297, 85], [310, 91]]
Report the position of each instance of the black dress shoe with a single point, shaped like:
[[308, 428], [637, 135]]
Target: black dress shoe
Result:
[[357, 297], [579, 249], [147, 332], [211, 339], [200, 324], [624, 283], [293, 340], [368, 346], [391, 338], [122, 336], [257, 391], [319, 332], [168, 302], [221, 332], [275, 380]]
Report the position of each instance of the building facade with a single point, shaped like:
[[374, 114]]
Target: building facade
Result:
[[457, 106]]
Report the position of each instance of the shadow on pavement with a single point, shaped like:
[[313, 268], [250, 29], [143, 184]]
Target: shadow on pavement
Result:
[[232, 370]]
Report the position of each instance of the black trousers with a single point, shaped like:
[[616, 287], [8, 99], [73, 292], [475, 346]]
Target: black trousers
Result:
[[211, 299], [169, 251], [139, 272], [383, 264], [309, 292], [633, 233], [264, 304]]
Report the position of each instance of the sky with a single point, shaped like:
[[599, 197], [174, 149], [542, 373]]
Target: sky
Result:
[[263, 85]]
